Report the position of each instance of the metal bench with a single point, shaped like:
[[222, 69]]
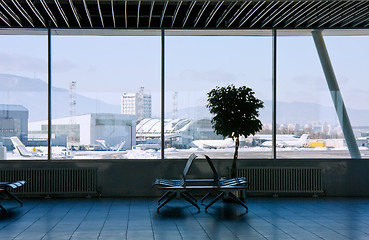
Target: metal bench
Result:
[[176, 188], [225, 187], [4, 186]]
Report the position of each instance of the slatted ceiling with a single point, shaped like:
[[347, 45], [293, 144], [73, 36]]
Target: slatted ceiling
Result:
[[204, 14]]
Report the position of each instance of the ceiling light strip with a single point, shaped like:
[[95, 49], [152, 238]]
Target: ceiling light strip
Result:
[[9, 11], [238, 13], [292, 10], [112, 12], [347, 13], [100, 13], [48, 11], [179, 4], [215, 10], [203, 8], [138, 13], [325, 14], [225, 13], [263, 13], [277, 11], [36, 12], [74, 10], [5, 18], [23, 12], [188, 13], [334, 14], [301, 12], [151, 10], [163, 13], [88, 13], [250, 13], [312, 14], [62, 13]]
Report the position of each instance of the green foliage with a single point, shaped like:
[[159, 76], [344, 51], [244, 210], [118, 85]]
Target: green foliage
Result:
[[236, 111]]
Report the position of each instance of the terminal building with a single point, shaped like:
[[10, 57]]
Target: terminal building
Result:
[[137, 104], [13, 122], [84, 130]]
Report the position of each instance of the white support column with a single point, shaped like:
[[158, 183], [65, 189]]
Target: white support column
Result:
[[336, 94]]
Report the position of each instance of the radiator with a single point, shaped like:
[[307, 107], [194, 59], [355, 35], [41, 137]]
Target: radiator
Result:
[[283, 179], [53, 181]]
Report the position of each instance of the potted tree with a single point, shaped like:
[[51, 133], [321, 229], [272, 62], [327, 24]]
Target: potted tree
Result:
[[236, 112]]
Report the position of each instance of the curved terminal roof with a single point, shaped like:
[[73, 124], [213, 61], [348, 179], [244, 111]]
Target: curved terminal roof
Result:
[[235, 15], [152, 126]]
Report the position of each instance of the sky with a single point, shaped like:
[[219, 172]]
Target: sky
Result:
[[104, 67]]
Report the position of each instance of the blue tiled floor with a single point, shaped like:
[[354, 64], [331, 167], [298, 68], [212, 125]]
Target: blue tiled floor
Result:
[[136, 218]]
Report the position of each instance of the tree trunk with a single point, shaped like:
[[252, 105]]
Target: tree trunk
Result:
[[235, 157]]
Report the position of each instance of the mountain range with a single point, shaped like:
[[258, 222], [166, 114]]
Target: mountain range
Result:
[[32, 94]]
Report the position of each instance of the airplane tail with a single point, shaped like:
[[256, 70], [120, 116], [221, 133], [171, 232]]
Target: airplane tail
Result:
[[120, 146], [302, 139], [20, 147]]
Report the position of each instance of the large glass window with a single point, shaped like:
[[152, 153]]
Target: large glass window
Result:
[[104, 87], [307, 123], [350, 65], [197, 64], [23, 95]]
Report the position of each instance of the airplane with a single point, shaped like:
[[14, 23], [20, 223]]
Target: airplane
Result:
[[288, 143], [39, 152], [226, 143]]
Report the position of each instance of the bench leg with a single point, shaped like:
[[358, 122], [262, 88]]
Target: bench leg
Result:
[[170, 197], [11, 195], [190, 196], [2, 208], [204, 197], [162, 197], [212, 202], [188, 199], [234, 197]]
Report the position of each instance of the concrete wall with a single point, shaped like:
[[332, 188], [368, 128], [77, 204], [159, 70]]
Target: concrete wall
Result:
[[118, 178]]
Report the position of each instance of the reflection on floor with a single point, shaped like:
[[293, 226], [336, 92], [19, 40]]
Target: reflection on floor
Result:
[[136, 218]]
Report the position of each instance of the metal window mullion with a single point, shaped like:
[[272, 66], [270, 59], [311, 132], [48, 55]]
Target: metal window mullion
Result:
[[263, 12], [87, 13], [274, 86], [276, 12], [49, 120], [62, 13], [36, 12], [203, 8], [23, 12], [213, 12], [225, 13], [162, 94], [163, 13], [189, 10], [250, 13], [9, 11], [238, 13], [176, 12]]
